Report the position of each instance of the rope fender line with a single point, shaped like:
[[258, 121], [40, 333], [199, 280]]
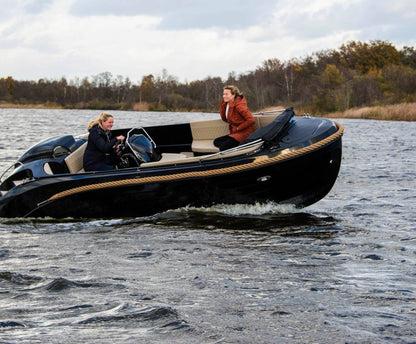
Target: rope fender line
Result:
[[257, 162]]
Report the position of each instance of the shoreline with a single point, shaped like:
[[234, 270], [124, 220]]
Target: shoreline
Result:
[[396, 112], [27, 106]]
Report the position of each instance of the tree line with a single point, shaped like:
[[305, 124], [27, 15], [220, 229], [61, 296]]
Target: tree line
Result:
[[354, 75]]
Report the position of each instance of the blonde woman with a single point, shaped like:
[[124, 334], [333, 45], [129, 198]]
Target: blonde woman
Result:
[[234, 111], [99, 154]]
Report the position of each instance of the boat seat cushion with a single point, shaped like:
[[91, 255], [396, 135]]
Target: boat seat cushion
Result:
[[263, 120], [204, 133], [184, 158], [75, 161], [166, 157], [204, 146]]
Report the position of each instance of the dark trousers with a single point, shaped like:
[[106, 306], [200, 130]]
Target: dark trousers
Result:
[[225, 142]]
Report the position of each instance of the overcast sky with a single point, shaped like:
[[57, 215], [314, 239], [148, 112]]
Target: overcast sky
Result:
[[191, 39]]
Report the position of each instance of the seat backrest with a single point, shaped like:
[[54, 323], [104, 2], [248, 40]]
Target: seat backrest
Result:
[[75, 161], [263, 120], [204, 132], [210, 129]]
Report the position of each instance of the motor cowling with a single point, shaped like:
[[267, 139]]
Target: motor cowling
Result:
[[54, 147], [143, 148]]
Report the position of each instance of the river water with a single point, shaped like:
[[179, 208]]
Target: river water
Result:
[[340, 271]]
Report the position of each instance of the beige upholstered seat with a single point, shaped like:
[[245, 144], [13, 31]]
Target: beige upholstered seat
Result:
[[74, 161], [263, 120], [205, 132], [172, 157], [183, 159]]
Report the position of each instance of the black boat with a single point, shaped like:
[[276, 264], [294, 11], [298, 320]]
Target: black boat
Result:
[[288, 159]]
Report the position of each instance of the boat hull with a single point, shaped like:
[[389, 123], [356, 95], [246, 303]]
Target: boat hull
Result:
[[301, 180]]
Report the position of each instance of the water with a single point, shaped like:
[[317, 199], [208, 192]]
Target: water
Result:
[[340, 271]]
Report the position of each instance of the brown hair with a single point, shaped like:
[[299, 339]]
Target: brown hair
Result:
[[234, 90], [102, 118]]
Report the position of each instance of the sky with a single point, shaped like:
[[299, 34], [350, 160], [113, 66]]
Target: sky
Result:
[[187, 39]]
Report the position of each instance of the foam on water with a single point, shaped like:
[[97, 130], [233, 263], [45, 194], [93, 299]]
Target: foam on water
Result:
[[255, 209], [247, 209]]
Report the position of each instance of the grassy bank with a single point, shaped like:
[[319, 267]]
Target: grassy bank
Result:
[[397, 112], [30, 106]]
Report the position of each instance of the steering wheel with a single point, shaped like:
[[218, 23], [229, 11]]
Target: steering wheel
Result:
[[124, 157]]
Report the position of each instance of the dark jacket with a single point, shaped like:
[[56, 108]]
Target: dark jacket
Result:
[[240, 119], [100, 148]]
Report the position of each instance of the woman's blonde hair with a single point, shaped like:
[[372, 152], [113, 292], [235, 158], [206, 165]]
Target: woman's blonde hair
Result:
[[234, 90], [102, 118]]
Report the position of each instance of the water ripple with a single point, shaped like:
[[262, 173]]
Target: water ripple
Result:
[[341, 270]]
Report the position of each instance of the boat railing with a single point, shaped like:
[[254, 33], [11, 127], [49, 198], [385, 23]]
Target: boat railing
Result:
[[9, 169], [146, 134], [233, 150], [269, 112], [7, 173]]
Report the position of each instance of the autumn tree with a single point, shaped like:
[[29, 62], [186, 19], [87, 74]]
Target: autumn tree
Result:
[[364, 56], [356, 74]]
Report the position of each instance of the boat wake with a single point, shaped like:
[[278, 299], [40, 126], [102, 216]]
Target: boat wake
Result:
[[260, 217], [246, 209], [268, 216]]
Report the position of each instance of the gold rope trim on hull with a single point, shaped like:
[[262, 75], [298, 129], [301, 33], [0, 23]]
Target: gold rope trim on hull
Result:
[[257, 162]]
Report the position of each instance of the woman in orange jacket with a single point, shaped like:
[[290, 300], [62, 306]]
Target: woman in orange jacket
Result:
[[235, 112]]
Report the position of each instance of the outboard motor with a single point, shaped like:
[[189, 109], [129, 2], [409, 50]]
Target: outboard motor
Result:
[[142, 147], [142, 150], [51, 148]]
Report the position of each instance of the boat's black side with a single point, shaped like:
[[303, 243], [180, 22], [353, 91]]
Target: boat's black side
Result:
[[298, 170]]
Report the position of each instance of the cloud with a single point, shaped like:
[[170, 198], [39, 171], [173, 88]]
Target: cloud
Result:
[[318, 18], [183, 14], [191, 39], [35, 7], [326, 24]]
